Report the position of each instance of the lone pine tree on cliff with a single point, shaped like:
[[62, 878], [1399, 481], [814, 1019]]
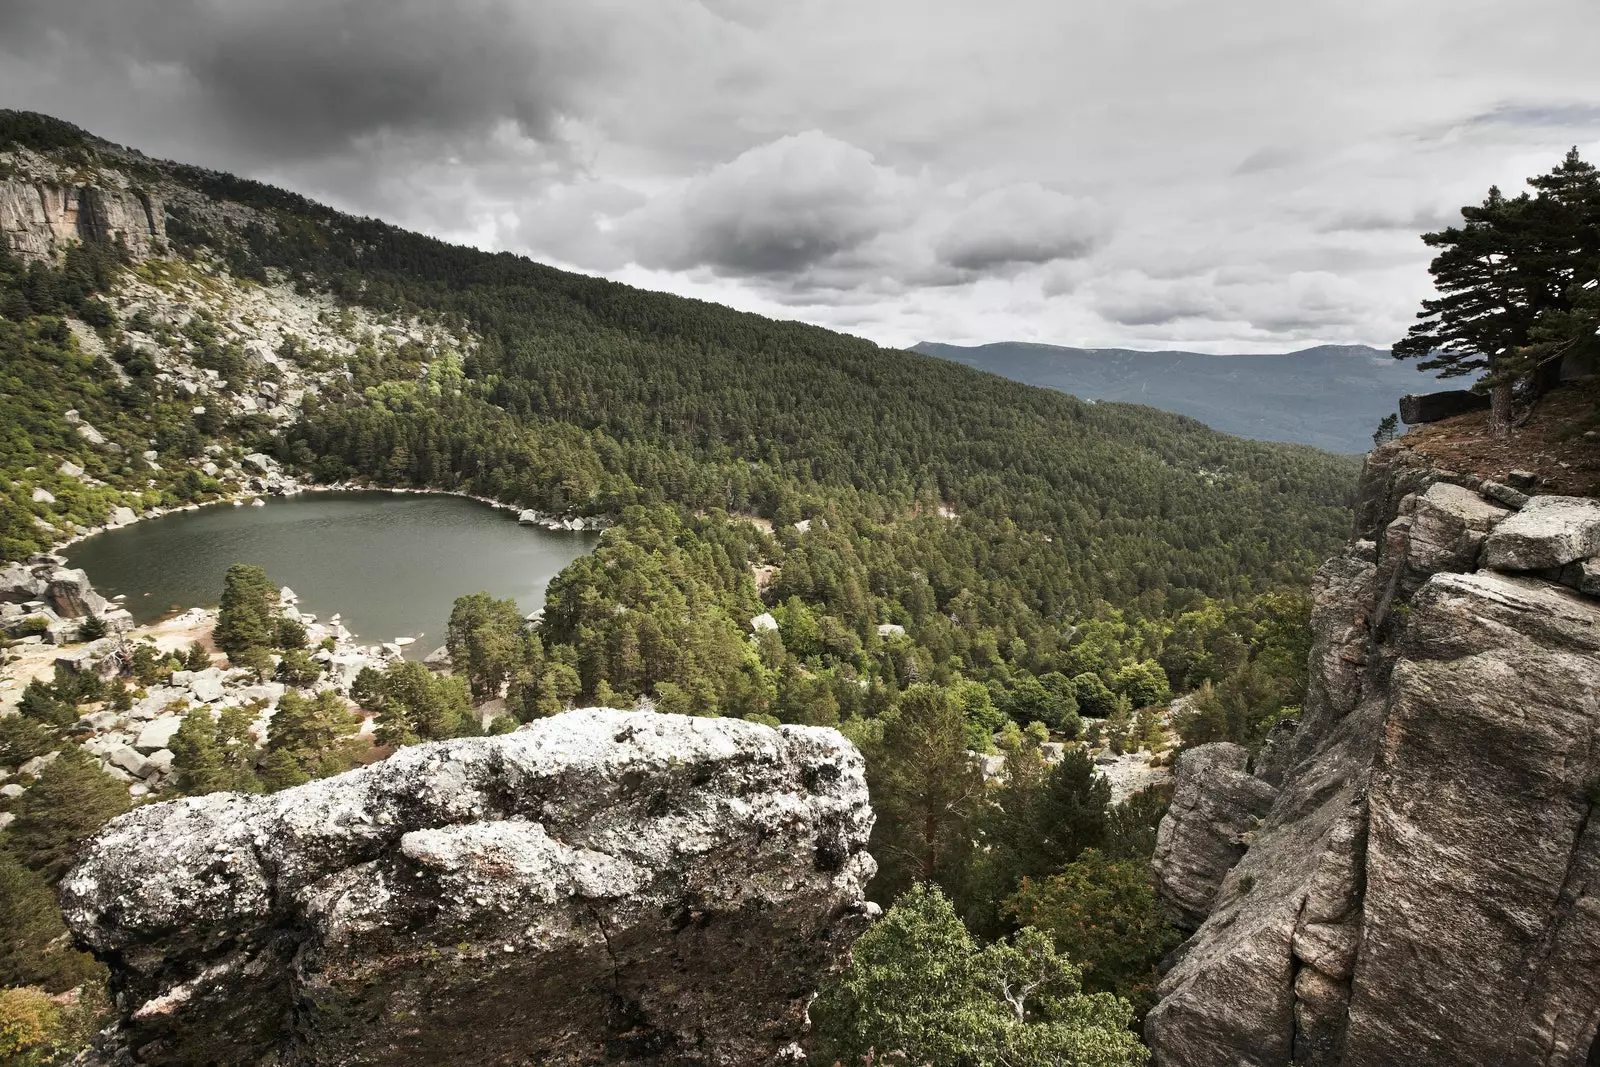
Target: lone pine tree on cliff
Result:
[[1517, 285]]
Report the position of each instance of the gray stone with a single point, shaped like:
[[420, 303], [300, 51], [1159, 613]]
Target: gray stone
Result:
[[1503, 494], [129, 759], [158, 733], [1216, 802], [1550, 531], [600, 887], [207, 685], [1426, 886], [1448, 527], [70, 469], [1523, 479], [11, 790], [43, 496], [70, 593], [123, 516], [1584, 576], [1417, 409], [90, 434], [158, 762], [31, 768]]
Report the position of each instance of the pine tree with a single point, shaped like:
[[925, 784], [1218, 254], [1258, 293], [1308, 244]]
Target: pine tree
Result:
[[926, 790], [484, 639], [248, 617], [72, 799], [304, 739], [1511, 266], [36, 950], [419, 705]]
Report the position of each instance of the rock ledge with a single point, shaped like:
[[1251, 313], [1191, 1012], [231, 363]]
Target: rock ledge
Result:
[[599, 887]]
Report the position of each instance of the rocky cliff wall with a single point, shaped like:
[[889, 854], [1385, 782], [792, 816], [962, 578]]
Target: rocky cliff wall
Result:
[[37, 219], [601, 887], [1425, 888]]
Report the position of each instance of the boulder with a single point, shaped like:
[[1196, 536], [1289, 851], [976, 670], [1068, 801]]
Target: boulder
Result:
[[207, 685], [90, 434], [1215, 803], [123, 516], [1482, 900], [158, 733], [599, 887], [43, 496], [31, 768], [261, 462], [343, 668], [1550, 531], [1417, 409], [1426, 886], [158, 762], [69, 592], [128, 759], [1584, 576], [70, 469], [1448, 527], [1501, 493]]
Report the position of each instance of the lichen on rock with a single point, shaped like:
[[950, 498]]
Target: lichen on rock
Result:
[[599, 887]]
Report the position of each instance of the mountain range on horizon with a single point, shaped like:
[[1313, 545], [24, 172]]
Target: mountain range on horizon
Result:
[[1329, 396]]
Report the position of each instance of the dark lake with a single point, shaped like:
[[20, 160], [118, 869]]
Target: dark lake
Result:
[[391, 564]]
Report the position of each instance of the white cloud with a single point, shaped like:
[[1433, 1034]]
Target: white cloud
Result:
[[1142, 174]]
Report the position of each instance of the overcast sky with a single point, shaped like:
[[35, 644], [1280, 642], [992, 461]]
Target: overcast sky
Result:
[[1247, 175]]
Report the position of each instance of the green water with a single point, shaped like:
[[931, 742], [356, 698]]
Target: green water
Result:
[[390, 564]]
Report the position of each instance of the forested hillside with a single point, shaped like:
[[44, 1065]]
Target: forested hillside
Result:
[[805, 527]]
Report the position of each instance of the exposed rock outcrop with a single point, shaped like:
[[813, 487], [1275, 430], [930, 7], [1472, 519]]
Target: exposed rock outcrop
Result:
[[1417, 409], [1216, 803], [38, 219], [1426, 887], [600, 887]]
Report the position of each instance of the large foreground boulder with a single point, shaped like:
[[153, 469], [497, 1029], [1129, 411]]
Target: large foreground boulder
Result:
[[600, 887]]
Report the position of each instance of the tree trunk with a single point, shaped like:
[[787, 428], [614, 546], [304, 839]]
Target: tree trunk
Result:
[[1500, 409]]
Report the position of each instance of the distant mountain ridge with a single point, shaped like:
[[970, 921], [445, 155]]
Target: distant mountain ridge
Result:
[[1330, 396]]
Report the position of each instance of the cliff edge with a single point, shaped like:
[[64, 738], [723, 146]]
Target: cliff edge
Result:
[[1424, 888]]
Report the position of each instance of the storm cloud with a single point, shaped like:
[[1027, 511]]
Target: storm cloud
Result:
[[1143, 174]]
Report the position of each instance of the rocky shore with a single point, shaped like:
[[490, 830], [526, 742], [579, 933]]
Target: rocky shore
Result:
[[131, 744]]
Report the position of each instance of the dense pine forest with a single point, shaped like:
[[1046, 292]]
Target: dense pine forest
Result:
[[950, 562]]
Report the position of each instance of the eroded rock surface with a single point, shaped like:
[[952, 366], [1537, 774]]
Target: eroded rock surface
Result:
[[600, 887], [1425, 889], [1216, 804], [37, 219]]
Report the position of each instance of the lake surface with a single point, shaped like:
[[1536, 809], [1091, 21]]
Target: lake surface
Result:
[[391, 564]]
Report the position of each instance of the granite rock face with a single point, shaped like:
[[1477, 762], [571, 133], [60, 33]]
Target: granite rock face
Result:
[[1425, 889], [38, 219], [600, 887], [1216, 803]]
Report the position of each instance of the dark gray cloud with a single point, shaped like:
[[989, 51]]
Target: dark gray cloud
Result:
[[1141, 174], [1022, 224], [304, 78], [774, 210]]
